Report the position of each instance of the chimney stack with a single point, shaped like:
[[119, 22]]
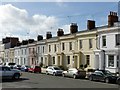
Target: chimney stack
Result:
[[73, 28], [60, 32], [18, 44], [24, 42], [112, 18], [39, 37], [90, 24], [48, 35], [31, 40]]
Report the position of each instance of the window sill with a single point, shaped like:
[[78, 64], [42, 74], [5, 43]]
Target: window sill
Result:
[[104, 46], [111, 67], [91, 48], [117, 46]]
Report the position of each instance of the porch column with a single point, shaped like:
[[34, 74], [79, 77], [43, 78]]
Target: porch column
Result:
[[96, 62]]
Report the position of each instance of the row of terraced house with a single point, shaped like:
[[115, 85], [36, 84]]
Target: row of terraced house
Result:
[[96, 47]]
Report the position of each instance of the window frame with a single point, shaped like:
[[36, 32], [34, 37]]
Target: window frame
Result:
[[70, 45], [80, 42], [68, 59], [109, 61], [90, 43], [104, 41], [88, 59], [117, 39]]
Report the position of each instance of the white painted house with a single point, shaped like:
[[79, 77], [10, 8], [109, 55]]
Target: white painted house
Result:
[[41, 50], [107, 56], [17, 55], [24, 54]]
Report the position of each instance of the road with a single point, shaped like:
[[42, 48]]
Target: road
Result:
[[36, 80]]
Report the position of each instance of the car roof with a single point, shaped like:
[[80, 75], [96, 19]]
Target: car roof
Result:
[[72, 69], [53, 67], [3, 66]]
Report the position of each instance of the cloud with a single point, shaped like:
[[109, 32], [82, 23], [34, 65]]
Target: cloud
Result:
[[17, 22]]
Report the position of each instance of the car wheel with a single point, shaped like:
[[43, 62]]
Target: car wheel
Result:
[[118, 82], [91, 78], [74, 76], [107, 80], [47, 73], [54, 74], [16, 76], [63, 75]]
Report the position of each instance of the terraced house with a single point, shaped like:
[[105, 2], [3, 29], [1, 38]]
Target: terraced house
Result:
[[1, 52], [41, 51], [107, 56], [93, 48]]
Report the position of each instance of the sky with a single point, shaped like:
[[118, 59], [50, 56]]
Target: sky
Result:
[[28, 19]]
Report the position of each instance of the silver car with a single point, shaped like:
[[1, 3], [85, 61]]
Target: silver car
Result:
[[54, 70], [6, 72], [75, 73]]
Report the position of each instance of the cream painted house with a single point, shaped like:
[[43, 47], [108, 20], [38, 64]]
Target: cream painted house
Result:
[[68, 46], [65, 50], [11, 55], [1, 52], [87, 43]]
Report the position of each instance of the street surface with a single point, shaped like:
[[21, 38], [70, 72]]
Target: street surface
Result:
[[36, 80]]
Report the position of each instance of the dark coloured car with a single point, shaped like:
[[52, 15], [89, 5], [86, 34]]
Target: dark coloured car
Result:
[[103, 75], [35, 69]]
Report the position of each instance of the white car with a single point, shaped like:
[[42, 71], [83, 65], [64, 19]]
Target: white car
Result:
[[54, 70], [6, 72], [75, 73]]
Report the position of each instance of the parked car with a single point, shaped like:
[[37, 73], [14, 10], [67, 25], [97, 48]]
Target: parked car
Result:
[[118, 80], [11, 65], [8, 73], [35, 69], [54, 70], [103, 75], [75, 73], [25, 68], [17, 67]]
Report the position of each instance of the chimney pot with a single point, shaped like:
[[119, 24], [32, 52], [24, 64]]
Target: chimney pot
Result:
[[90, 24], [39, 37], [112, 18], [48, 35], [73, 28], [60, 32]]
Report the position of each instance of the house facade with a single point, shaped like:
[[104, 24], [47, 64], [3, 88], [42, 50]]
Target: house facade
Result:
[[107, 56], [24, 55], [86, 46], [41, 51], [17, 55], [32, 54], [11, 55], [1, 53]]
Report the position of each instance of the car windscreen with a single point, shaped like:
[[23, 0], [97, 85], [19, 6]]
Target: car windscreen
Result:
[[56, 68], [107, 73], [11, 64]]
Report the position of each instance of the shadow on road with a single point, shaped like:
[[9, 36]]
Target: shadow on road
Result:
[[11, 80]]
